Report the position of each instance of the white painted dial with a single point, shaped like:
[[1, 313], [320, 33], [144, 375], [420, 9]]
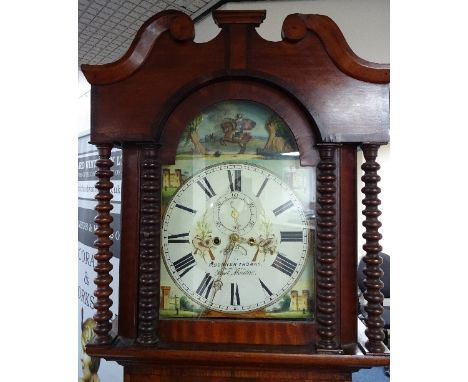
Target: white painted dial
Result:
[[235, 238]]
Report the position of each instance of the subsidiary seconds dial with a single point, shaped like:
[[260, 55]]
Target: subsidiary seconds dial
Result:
[[235, 238]]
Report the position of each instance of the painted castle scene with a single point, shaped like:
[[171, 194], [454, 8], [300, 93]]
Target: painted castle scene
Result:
[[296, 304]]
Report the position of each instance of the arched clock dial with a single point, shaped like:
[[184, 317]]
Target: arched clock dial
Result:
[[235, 238]]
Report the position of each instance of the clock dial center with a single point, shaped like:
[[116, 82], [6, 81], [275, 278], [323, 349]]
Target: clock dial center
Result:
[[235, 212]]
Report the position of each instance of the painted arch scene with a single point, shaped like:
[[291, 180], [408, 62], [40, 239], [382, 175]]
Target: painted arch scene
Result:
[[237, 129]]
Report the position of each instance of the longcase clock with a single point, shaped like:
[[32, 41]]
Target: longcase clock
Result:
[[238, 232]]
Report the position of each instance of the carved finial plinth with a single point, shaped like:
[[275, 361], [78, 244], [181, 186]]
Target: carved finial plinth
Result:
[[182, 28], [372, 259], [326, 250], [103, 314], [150, 196], [232, 17], [294, 28]]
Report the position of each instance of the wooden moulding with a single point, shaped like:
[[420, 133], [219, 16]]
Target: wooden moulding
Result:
[[226, 17], [347, 97], [347, 244], [295, 28], [238, 332], [220, 355], [103, 256], [129, 240], [233, 374], [181, 27], [149, 265], [373, 270], [326, 306]]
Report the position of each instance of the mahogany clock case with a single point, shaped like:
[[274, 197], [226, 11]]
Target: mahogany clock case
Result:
[[333, 103], [212, 331]]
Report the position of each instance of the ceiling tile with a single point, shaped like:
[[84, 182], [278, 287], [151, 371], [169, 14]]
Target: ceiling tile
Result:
[[106, 28]]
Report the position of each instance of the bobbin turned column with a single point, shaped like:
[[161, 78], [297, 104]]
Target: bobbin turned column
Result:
[[103, 267], [373, 270], [326, 309], [150, 198]]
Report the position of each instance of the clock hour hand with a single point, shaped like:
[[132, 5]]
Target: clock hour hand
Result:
[[217, 283]]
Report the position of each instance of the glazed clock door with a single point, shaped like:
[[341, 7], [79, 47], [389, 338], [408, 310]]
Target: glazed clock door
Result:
[[235, 238], [238, 219]]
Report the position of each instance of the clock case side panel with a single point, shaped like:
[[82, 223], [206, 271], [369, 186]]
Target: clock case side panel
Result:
[[345, 316], [139, 271], [167, 131], [347, 245], [129, 260]]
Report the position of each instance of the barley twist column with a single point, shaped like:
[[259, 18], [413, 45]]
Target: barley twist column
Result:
[[372, 271], [150, 197], [103, 243], [326, 250]]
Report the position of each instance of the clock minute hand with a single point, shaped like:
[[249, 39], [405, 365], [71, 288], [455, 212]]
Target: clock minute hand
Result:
[[235, 216], [233, 238], [217, 284]]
